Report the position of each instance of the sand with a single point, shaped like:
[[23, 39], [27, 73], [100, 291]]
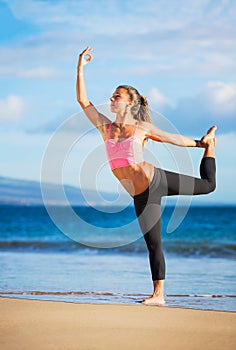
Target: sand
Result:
[[33, 324]]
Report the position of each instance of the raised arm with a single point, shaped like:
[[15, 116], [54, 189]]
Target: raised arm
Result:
[[84, 58], [98, 119], [156, 134]]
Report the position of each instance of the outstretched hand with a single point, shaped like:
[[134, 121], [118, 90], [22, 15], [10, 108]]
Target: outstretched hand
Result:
[[85, 57]]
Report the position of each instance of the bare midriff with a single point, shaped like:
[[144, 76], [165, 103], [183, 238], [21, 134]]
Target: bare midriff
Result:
[[136, 177]]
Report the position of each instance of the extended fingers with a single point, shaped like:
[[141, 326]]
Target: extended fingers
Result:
[[86, 54], [87, 51]]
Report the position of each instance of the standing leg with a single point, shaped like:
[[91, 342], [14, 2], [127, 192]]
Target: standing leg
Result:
[[149, 221]]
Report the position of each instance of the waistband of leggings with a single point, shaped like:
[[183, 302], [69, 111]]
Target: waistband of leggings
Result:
[[148, 189]]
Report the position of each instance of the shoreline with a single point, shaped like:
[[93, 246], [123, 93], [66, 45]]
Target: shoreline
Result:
[[40, 324], [201, 302], [97, 303]]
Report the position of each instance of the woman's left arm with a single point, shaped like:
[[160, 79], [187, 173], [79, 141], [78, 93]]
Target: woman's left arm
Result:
[[156, 134]]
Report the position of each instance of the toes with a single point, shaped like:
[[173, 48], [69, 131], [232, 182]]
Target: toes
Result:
[[209, 137], [212, 129]]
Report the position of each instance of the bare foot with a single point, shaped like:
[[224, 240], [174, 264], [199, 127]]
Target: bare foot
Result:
[[209, 139], [154, 300]]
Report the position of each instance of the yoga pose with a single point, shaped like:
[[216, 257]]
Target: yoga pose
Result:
[[125, 139]]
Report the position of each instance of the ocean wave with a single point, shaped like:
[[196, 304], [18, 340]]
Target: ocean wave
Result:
[[222, 302], [183, 248], [111, 294]]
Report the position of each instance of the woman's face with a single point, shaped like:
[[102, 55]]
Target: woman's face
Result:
[[120, 100]]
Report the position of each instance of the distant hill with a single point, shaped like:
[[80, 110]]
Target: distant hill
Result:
[[24, 192]]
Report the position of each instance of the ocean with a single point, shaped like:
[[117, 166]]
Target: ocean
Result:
[[103, 258]]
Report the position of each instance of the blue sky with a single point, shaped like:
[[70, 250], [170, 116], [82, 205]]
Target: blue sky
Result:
[[180, 54]]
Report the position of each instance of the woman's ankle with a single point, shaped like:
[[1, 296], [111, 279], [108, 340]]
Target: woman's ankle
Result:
[[210, 149]]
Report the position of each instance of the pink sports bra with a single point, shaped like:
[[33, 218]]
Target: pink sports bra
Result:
[[123, 153]]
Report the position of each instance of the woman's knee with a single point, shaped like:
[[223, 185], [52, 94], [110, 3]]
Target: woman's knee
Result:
[[154, 244], [204, 186], [211, 186]]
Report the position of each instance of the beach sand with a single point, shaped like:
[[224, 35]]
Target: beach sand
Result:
[[34, 324]]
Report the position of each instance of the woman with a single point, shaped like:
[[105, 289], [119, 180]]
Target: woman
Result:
[[125, 139]]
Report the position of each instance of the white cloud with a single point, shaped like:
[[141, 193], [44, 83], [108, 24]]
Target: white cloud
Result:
[[37, 72], [37, 11], [186, 37], [183, 41], [226, 142], [215, 103], [154, 15], [11, 108], [157, 99], [220, 98]]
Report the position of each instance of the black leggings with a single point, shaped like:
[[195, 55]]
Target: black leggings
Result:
[[148, 206]]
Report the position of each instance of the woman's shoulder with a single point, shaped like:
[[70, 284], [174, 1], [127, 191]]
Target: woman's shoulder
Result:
[[145, 125]]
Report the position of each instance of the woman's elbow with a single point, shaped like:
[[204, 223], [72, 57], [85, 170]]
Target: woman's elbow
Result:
[[83, 103], [79, 97], [79, 100]]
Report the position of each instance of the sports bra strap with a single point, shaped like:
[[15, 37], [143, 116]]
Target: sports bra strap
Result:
[[108, 131]]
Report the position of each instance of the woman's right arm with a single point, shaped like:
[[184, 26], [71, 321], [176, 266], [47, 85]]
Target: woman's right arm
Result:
[[98, 119], [80, 83]]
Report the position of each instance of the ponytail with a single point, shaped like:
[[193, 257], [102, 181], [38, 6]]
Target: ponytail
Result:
[[143, 113], [144, 101]]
